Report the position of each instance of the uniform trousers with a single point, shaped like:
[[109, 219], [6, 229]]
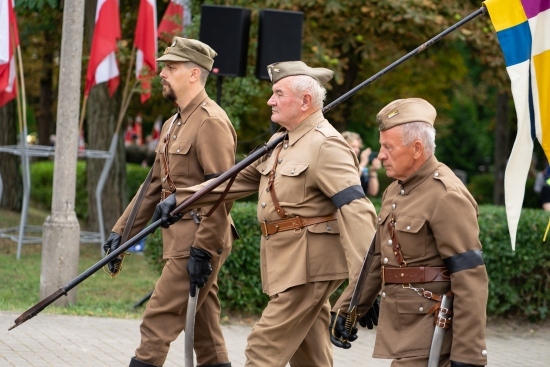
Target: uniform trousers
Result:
[[444, 361], [165, 315], [293, 328]]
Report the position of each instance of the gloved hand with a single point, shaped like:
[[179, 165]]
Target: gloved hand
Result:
[[199, 269], [113, 242], [339, 335], [163, 209], [460, 364], [370, 319]]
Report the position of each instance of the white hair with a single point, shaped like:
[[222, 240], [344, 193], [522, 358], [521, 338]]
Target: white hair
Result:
[[304, 84], [419, 131]]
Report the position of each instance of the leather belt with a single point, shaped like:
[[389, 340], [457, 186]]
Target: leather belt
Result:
[[419, 274], [294, 223]]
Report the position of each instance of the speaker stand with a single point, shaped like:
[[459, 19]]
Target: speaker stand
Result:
[[219, 82]]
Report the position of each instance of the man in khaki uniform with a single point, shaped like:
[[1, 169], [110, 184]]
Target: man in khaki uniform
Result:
[[315, 220], [426, 245], [196, 144]]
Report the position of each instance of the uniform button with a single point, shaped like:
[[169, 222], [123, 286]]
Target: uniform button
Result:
[[164, 179], [386, 260], [408, 228], [263, 205], [263, 169], [280, 160], [204, 103], [484, 353], [328, 228], [420, 309], [379, 219], [436, 174], [179, 123], [267, 190], [292, 171], [402, 192], [383, 294], [393, 206], [178, 150], [174, 137], [390, 242], [286, 146], [219, 251], [318, 126]]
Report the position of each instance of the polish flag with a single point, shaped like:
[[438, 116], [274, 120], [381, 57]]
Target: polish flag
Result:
[[103, 66], [145, 41], [9, 39], [174, 20]]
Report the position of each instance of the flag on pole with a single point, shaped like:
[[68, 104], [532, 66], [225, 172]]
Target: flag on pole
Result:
[[145, 41], [103, 66], [176, 17], [523, 31], [9, 40]]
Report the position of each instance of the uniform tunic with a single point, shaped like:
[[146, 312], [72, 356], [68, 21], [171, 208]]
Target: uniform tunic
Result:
[[200, 142], [435, 219]]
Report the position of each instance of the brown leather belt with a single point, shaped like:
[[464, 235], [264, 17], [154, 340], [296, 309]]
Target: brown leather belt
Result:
[[295, 223], [420, 274]]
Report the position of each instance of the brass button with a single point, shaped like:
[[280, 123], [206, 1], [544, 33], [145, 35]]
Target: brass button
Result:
[[204, 103], [178, 150], [408, 228], [436, 174], [292, 171], [328, 228], [179, 123]]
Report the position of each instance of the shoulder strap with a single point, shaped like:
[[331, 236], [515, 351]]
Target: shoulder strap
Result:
[[135, 207]]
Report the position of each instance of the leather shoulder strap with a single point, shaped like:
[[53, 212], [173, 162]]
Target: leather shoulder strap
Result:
[[135, 207]]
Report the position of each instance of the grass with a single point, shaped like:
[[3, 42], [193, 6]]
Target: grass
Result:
[[98, 295]]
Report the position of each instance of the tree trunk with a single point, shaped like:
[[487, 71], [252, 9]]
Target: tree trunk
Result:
[[502, 151], [44, 117], [12, 182], [100, 124]]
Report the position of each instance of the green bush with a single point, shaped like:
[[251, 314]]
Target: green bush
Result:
[[42, 184], [482, 187], [135, 175]]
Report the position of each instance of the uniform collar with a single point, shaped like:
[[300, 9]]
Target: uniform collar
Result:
[[420, 175], [305, 126], [192, 105]]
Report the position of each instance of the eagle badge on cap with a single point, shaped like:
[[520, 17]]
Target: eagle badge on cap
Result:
[[393, 113], [167, 50]]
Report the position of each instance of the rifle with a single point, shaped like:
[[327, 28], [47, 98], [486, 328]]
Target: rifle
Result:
[[258, 153]]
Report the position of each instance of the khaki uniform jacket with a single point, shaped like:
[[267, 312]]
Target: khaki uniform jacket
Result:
[[436, 218], [316, 164], [201, 143]]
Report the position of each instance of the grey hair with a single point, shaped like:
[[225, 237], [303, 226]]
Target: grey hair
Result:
[[419, 131], [204, 72], [304, 84]]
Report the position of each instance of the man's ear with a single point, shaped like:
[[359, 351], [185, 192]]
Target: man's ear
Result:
[[306, 102], [418, 149], [195, 75]]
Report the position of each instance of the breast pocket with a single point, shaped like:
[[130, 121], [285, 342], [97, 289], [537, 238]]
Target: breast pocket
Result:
[[178, 155], [263, 168], [291, 185], [411, 234]]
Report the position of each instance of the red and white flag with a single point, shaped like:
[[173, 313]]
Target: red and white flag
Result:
[[9, 39], [103, 66], [145, 41], [176, 17]]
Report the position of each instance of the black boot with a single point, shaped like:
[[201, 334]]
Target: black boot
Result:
[[228, 364], [137, 363]]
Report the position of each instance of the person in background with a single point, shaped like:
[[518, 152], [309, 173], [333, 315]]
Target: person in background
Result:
[[542, 187], [368, 175], [427, 245]]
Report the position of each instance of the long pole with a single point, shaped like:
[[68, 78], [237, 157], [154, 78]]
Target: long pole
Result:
[[260, 152]]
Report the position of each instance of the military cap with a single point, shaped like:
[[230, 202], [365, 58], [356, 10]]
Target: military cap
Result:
[[185, 49], [403, 111], [280, 70]]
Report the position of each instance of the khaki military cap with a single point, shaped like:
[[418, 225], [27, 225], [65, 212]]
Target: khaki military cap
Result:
[[280, 70], [403, 111], [184, 49]]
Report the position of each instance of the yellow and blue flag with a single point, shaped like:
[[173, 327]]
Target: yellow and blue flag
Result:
[[523, 31]]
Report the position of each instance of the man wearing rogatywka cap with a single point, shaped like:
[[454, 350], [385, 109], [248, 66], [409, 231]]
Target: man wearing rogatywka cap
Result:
[[196, 144], [427, 246], [315, 220]]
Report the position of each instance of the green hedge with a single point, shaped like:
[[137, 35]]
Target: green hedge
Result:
[[518, 280]]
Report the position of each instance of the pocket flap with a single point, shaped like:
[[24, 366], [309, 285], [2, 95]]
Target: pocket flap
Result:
[[409, 224], [293, 169], [325, 227], [179, 148], [414, 304], [264, 168]]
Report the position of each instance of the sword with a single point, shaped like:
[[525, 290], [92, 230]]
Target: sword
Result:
[[190, 328], [442, 323]]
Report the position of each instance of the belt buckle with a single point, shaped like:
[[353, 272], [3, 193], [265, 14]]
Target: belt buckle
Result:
[[264, 227]]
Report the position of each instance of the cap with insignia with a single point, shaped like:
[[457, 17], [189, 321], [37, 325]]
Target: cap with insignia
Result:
[[403, 111], [185, 49], [280, 70]]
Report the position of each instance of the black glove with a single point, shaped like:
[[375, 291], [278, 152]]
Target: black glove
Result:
[[163, 209], [339, 335], [460, 364], [199, 269], [113, 242], [370, 319]]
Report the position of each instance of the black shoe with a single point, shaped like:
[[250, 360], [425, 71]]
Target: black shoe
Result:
[[137, 363], [228, 364]]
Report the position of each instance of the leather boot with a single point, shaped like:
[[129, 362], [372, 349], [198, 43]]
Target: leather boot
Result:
[[137, 363], [228, 364]]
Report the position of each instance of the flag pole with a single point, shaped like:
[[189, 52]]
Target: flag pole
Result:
[[82, 113], [127, 91]]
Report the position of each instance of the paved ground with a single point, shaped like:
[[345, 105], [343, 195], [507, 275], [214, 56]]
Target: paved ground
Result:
[[58, 340]]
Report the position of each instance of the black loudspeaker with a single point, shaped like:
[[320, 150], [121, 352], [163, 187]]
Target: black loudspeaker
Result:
[[225, 29], [279, 39]]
